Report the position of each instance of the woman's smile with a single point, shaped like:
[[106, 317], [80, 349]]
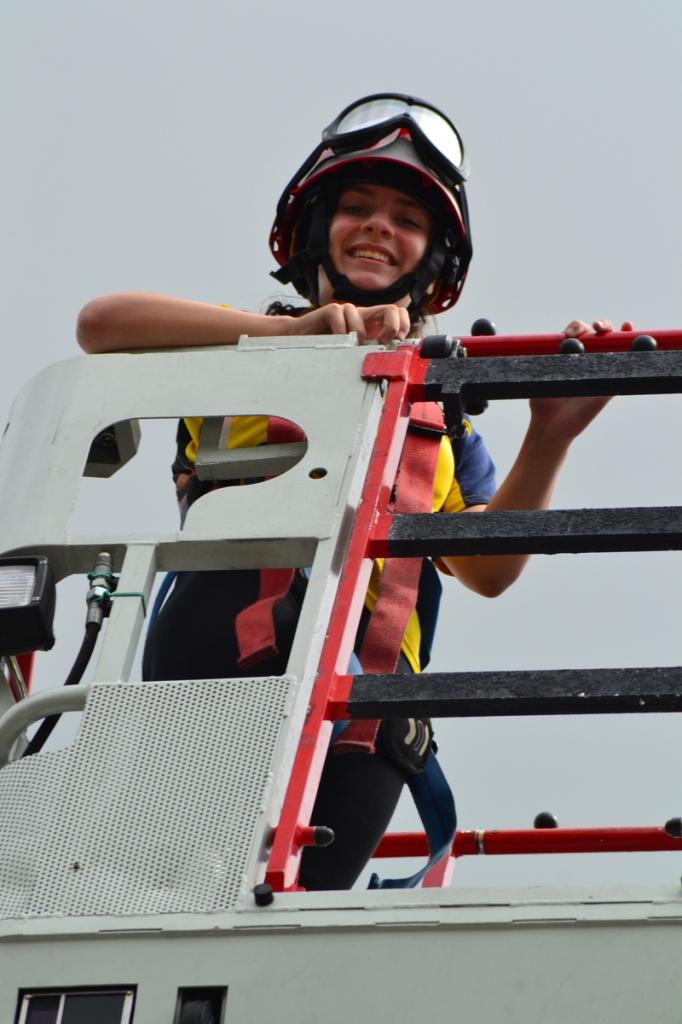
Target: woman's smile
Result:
[[370, 254]]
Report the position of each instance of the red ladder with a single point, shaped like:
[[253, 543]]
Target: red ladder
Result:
[[410, 378]]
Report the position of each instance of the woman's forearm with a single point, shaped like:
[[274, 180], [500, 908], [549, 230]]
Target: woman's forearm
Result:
[[143, 320], [529, 485]]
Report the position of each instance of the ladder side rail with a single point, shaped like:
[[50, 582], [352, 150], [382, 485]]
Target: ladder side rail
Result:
[[286, 850]]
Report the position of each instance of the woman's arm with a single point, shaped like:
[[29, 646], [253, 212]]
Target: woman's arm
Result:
[[143, 320], [554, 425]]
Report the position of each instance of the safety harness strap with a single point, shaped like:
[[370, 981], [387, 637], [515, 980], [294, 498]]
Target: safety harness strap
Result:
[[399, 581], [254, 626], [436, 807]]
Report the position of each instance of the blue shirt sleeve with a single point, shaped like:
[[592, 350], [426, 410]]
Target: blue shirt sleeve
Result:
[[474, 469]]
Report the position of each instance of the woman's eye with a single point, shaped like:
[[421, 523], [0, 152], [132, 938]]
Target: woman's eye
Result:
[[355, 210]]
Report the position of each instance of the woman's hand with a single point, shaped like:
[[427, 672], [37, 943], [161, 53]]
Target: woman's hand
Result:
[[372, 324], [554, 423], [565, 418], [576, 328]]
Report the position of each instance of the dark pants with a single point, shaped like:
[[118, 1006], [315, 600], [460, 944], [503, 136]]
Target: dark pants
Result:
[[194, 638]]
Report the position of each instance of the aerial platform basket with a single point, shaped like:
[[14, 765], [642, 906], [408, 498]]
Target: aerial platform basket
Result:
[[129, 860]]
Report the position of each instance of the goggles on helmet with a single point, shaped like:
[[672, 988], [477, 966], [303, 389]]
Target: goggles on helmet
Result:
[[433, 135]]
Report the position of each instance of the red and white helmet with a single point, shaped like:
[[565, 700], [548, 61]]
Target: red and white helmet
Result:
[[395, 140]]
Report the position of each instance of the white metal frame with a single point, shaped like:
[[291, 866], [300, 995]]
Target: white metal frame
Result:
[[525, 956]]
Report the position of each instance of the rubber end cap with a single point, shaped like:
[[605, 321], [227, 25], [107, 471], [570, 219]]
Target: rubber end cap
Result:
[[436, 346], [644, 343], [322, 835], [482, 327], [263, 894], [545, 820], [673, 827], [476, 406], [571, 347]]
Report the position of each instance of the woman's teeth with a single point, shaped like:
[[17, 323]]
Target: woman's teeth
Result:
[[370, 254]]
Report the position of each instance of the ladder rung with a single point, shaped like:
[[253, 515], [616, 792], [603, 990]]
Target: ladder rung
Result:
[[622, 373], [543, 692], [544, 532]]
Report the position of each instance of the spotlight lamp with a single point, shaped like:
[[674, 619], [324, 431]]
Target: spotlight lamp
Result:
[[27, 602]]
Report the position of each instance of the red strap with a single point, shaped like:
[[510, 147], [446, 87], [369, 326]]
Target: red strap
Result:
[[254, 625], [399, 581]]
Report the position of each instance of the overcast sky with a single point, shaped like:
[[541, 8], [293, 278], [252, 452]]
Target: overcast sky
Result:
[[145, 147]]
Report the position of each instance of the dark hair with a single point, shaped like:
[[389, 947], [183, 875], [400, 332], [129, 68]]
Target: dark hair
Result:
[[278, 308]]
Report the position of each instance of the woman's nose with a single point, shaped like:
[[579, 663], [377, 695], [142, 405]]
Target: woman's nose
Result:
[[379, 222]]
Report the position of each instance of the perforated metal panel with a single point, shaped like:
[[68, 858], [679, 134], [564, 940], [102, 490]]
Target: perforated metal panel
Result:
[[154, 808]]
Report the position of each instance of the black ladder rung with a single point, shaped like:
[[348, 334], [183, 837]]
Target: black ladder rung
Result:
[[613, 373], [530, 531], [593, 691]]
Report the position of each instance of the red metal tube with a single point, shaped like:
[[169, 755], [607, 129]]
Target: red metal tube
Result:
[[548, 344], [567, 840], [26, 665], [510, 842], [304, 836]]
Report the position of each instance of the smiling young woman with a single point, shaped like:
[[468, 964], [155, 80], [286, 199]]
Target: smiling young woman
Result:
[[373, 230]]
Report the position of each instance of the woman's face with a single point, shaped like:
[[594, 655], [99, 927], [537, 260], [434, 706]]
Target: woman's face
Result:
[[376, 235]]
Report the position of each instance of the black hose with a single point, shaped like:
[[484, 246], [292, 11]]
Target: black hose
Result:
[[79, 666]]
